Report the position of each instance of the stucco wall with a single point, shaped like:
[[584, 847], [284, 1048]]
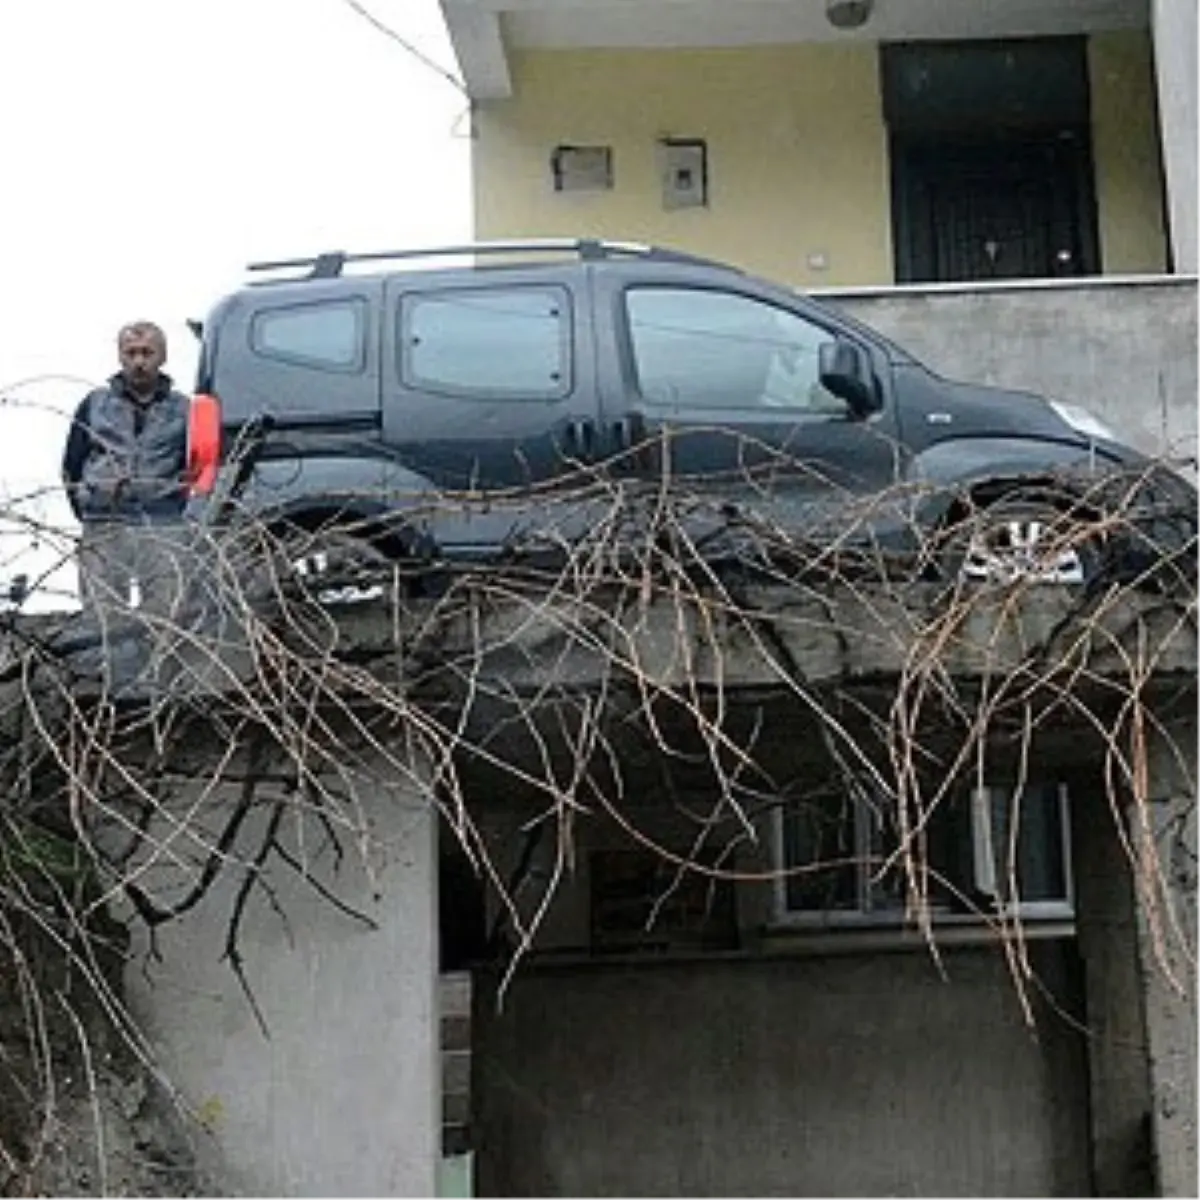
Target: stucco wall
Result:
[[796, 141], [1126, 154]]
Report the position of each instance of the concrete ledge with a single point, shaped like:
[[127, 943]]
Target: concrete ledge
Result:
[[782, 637], [529, 641], [1075, 283]]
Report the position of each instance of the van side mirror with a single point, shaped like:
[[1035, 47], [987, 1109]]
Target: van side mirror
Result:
[[846, 372]]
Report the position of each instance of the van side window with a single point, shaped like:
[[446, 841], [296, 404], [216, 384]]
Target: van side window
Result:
[[513, 342], [329, 335], [696, 348]]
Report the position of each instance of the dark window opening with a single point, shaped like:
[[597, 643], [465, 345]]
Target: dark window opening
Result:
[[640, 900], [992, 174]]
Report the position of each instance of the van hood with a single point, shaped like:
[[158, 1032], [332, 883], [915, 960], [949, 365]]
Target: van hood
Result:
[[933, 409]]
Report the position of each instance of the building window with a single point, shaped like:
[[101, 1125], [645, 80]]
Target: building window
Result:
[[513, 343], [993, 851], [329, 336], [706, 349]]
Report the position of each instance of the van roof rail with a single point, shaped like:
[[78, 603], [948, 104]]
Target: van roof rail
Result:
[[330, 264]]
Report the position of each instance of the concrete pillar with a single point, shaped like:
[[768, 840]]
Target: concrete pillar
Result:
[[341, 1095], [1173, 23], [1163, 832], [1118, 1076]]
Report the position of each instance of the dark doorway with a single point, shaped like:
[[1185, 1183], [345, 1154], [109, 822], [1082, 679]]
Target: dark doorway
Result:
[[993, 208], [462, 916], [991, 160]]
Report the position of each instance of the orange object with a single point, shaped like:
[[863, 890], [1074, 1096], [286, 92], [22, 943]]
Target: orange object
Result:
[[204, 443]]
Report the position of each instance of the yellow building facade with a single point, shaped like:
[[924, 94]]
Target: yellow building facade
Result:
[[799, 170]]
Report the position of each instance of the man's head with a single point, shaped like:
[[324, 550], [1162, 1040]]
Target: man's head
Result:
[[142, 347]]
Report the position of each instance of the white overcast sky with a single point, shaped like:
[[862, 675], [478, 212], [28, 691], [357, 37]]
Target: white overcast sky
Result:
[[149, 149]]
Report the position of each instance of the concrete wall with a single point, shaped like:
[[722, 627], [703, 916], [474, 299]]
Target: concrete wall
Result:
[[848, 1076], [798, 154], [1163, 829], [840, 1073], [340, 1095], [1120, 1099], [1125, 350]]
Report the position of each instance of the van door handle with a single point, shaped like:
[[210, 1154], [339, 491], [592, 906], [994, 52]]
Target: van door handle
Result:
[[580, 439], [628, 431], [628, 434]]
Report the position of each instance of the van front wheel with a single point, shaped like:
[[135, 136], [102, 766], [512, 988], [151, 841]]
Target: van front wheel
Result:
[[1020, 539], [337, 567]]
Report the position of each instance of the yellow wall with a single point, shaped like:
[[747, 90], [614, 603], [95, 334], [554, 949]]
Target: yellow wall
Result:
[[797, 154], [1125, 147], [798, 161]]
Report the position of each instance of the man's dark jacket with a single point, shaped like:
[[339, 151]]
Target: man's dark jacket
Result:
[[124, 458]]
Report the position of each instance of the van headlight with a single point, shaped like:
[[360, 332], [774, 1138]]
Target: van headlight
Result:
[[1083, 421]]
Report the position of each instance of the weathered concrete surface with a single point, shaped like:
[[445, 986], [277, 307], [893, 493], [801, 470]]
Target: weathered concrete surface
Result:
[[840, 635], [1163, 831], [1125, 350], [536, 639], [849, 1076], [499, 664], [1118, 1068], [340, 1095]]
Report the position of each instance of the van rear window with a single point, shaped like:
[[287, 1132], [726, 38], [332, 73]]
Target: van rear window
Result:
[[324, 334]]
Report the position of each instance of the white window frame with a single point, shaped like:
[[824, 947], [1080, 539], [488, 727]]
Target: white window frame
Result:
[[984, 863], [983, 871]]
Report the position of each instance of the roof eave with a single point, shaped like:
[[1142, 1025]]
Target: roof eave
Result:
[[478, 44]]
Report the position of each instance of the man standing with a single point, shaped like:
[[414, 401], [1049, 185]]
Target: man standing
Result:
[[124, 468]]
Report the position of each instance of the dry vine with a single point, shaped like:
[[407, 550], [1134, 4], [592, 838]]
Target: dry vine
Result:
[[640, 613]]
